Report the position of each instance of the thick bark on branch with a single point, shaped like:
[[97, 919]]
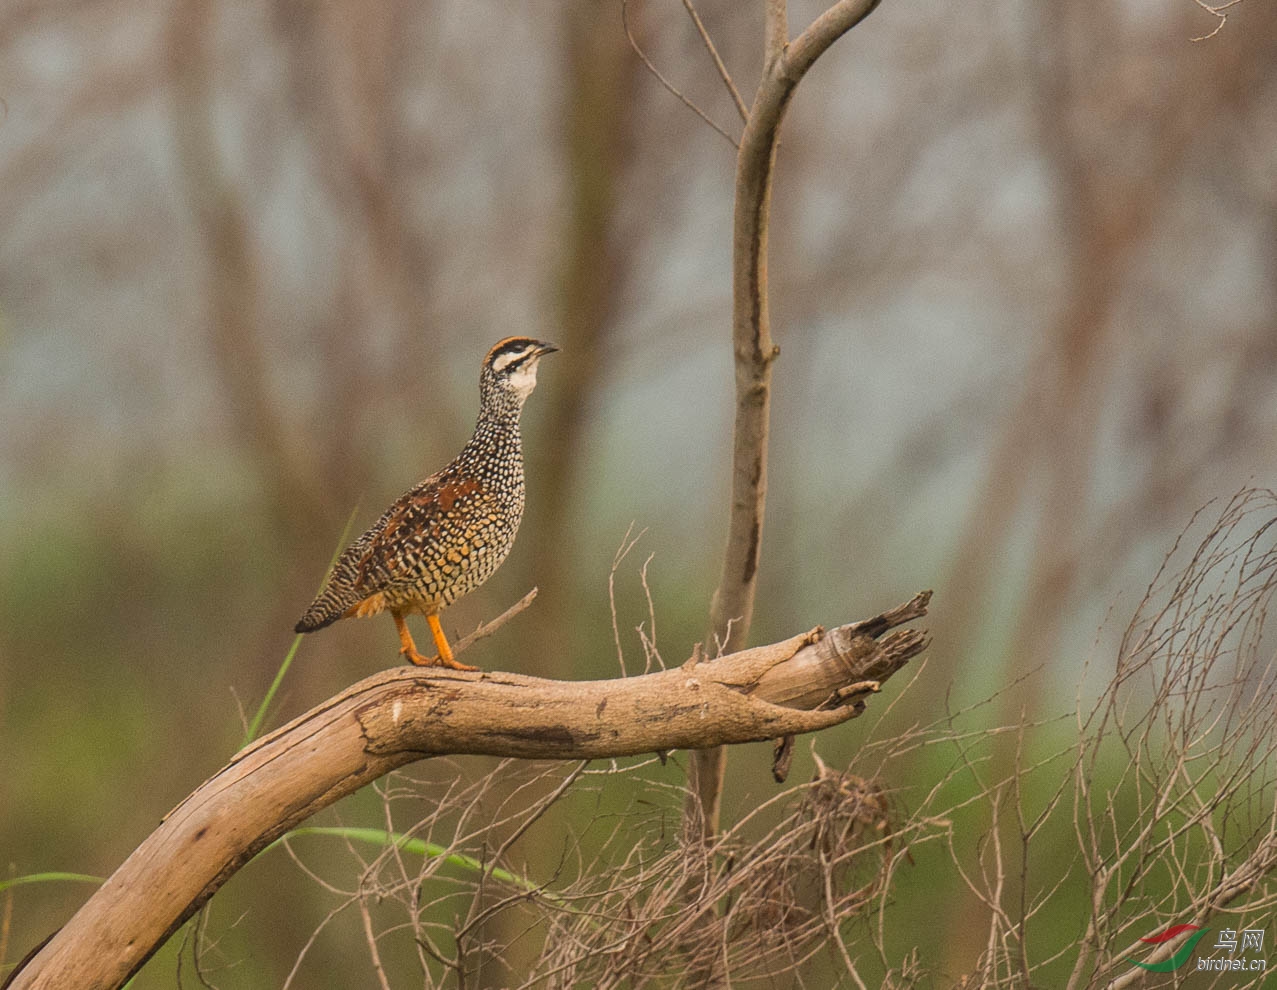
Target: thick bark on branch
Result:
[[809, 682]]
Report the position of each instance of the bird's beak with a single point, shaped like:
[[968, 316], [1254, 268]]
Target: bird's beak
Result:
[[544, 348]]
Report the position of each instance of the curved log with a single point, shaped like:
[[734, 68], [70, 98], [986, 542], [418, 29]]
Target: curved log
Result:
[[809, 682]]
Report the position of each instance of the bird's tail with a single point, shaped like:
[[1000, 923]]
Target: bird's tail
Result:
[[327, 608]]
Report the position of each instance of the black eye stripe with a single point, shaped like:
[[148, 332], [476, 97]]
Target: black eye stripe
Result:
[[514, 362]]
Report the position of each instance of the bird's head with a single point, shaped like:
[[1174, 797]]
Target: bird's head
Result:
[[511, 366]]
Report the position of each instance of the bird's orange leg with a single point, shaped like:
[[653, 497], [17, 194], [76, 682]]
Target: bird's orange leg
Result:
[[441, 644], [407, 647]]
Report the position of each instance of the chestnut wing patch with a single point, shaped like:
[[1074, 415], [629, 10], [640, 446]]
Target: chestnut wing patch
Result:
[[419, 518]]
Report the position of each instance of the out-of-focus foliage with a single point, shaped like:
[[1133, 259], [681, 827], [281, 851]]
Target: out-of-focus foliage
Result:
[[1024, 263]]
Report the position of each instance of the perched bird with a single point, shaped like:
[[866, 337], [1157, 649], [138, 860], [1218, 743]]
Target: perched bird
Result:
[[445, 536]]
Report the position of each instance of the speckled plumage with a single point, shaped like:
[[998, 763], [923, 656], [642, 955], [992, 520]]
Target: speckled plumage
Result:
[[446, 535]]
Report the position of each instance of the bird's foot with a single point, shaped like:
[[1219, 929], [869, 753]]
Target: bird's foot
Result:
[[416, 658], [453, 664]]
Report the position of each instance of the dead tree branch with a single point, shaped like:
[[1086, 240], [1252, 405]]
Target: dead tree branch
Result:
[[812, 681], [785, 64]]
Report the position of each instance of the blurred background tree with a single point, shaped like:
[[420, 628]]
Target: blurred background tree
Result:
[[253, 252]]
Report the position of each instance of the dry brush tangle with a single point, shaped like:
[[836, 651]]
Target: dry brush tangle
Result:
[[1161, 809], [808, 682], [1189, 720]]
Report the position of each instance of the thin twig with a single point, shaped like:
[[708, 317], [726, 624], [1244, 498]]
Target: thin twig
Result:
[[718, 62], [1217, 11], [484, 629], [627, 544], [559, 791], [649, 639], [625, 21], [198, 946], [371, 938], [312, 939]]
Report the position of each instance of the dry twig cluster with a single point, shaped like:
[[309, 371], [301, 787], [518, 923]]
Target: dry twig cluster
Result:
[[633, 900], [1168, 792]]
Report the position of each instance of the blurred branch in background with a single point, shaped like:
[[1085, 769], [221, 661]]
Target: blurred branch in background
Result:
[[1116, 158], [596, 131], [235, 330], [347, 84], [1118, 126]]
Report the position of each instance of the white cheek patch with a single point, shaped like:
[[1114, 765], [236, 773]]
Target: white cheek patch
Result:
[[503, 360], [524, 380]]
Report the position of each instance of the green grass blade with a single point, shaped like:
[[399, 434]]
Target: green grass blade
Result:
[[49, 878], [419, 847], [255, 725]]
